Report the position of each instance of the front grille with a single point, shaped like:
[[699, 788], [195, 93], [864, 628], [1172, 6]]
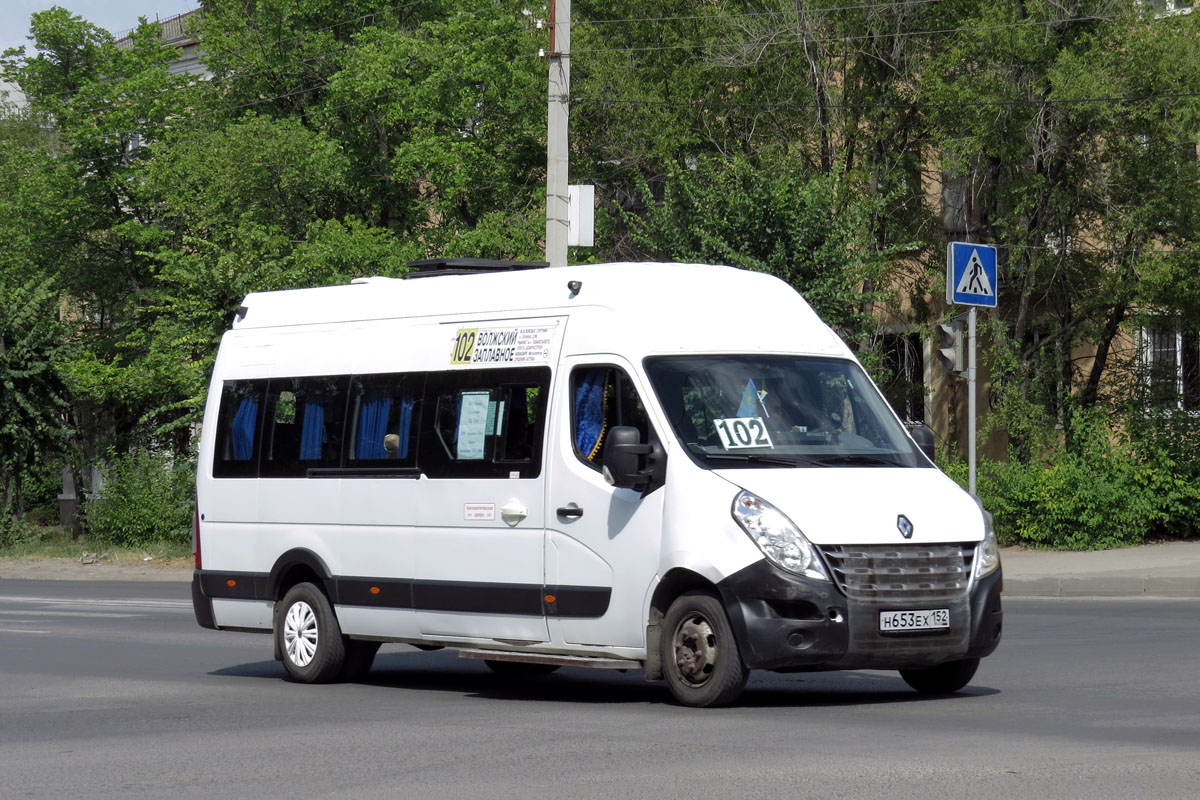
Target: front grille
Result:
[[886, 573]]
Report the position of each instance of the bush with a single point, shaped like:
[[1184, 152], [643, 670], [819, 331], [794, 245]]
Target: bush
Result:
[[14, 532], [1100, 494], [147, 497], [41, 488]]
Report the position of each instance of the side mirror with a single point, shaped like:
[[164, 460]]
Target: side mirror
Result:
[[631, 464], [923, 436]]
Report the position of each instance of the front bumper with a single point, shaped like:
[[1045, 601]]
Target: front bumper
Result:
[[783, 621]]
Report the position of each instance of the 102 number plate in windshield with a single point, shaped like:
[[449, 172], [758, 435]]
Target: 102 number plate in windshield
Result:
[[926, 619], [741, 432]]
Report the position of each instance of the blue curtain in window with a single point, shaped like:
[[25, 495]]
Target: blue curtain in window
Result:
[[590, 403], [406, 411], [313, 435], [242, 430], [457, 420], [372, 426]]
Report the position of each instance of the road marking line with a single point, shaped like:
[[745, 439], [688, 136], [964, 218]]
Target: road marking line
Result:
[[33, 613], [88, 601]]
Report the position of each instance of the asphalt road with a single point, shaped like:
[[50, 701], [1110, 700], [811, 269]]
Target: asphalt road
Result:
[[110, 690]]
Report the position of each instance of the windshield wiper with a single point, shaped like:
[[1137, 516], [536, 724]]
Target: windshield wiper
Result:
[[859, 459], [759, 459]]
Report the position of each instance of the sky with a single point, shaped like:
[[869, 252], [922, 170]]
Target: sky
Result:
[[115, 16]]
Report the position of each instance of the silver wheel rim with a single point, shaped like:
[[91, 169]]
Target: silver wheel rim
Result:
[[300, 633], [695, 649]]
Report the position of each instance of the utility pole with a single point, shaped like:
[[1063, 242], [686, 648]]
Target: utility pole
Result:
[[556, 132]]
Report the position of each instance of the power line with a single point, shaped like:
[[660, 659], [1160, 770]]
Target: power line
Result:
[[750, 14], [901, 104], [1068, 249], [800, 39]]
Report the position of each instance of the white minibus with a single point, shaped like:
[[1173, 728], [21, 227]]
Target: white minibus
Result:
[[674, 468]]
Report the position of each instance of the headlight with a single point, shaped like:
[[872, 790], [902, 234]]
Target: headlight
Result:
[[777, 536], [987, 553]]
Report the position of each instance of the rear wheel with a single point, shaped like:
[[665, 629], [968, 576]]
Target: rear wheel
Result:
[[942, 679], [701, 661], [519, 669], [308, 636]]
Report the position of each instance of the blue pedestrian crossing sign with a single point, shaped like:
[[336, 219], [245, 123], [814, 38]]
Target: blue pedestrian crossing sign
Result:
[[971, 274]]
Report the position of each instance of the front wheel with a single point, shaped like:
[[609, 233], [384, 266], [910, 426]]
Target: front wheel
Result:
[[308, 636], [943, 679], [701, 661]]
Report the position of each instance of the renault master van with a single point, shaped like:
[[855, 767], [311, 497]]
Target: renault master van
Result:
[[674, 468]]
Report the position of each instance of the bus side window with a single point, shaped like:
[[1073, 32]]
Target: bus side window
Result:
[[383, 416], [304, 429], [484, 423], [238, 425], [603, 397]]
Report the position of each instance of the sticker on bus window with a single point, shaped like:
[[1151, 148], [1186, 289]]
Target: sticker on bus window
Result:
[[472, 424], [740, 432]]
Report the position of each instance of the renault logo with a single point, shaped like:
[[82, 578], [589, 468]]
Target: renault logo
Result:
[[906, 527]]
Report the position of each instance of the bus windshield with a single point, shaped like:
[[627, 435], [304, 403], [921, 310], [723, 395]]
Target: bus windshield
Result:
[[779, 411]]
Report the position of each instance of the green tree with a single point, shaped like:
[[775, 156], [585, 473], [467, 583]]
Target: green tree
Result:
[[770, 219], [33, 396], [1072, 130], [439, 109]]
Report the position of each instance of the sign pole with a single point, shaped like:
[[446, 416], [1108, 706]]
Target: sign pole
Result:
[[972, 279], [971, 399]]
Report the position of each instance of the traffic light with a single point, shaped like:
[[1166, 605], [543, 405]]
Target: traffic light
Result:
[[948, 341]]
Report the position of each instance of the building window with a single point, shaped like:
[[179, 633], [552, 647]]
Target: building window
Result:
[[1172, 367], [1166, 8]]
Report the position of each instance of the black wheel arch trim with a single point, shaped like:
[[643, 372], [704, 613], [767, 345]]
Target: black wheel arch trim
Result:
[[299, 556]]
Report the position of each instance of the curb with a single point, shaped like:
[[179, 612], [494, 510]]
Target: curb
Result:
[[1160, 586], [72, 570]]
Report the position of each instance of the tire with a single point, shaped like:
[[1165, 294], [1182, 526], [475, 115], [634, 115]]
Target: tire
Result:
[[308, 636], [943, 679], [519, 669], [700, 657], [359, 657]]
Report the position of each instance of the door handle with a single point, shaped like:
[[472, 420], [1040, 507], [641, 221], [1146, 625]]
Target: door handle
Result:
[[570, 512]]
